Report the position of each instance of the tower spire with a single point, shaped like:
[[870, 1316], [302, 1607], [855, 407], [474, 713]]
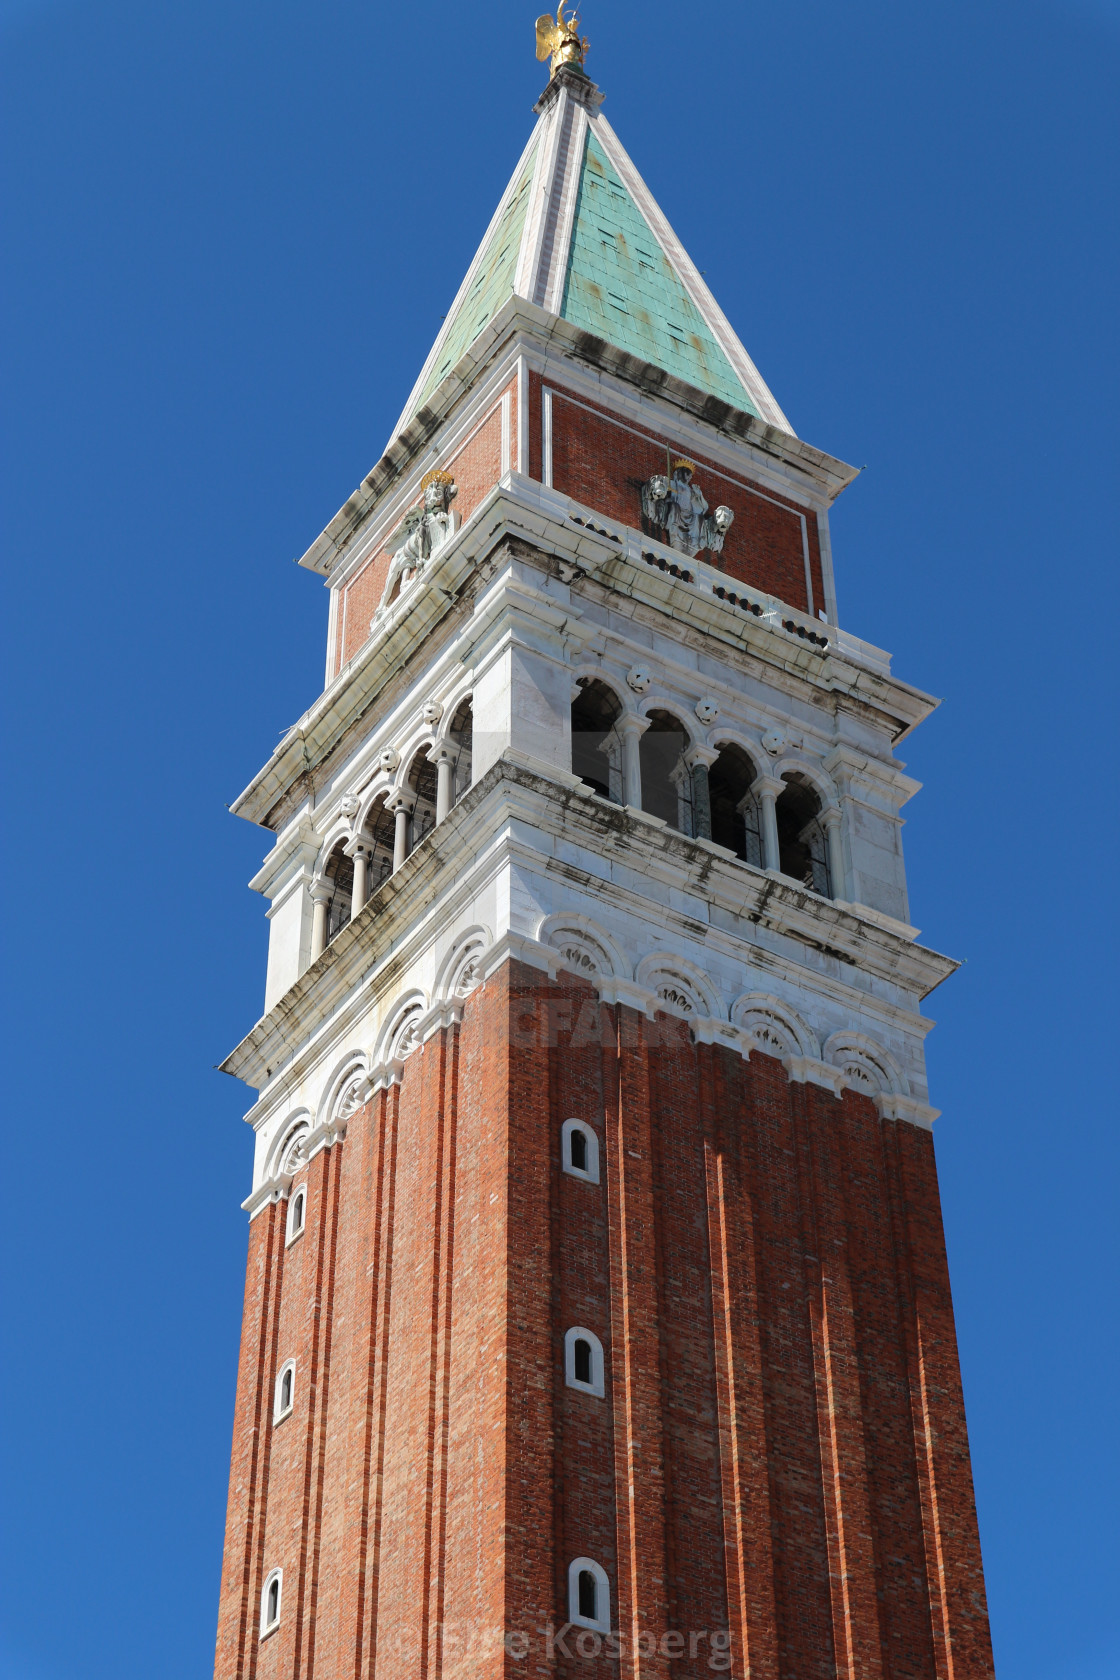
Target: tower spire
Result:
[[578, 233]]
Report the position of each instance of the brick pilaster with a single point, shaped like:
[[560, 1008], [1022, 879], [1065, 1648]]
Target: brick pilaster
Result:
[[635, 1342]]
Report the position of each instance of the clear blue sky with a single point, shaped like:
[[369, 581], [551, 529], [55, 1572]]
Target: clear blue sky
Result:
[[232, 230]]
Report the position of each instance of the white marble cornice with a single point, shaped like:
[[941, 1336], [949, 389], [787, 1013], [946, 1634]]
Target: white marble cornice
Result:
[[806, 1070], [515, 818], [511, 512], [291, 859], [870, 780], [893, 1106]]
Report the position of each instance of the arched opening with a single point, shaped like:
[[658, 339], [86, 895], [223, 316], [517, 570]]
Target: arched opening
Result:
[[461, 738], [381, 827], [736, 820], [589, 1595], [579, 1150], [340, 873], [596, 753], [285, 1390], [270, 1601], [666, 782], [296, 1211], [584, 1366], [421, 779], [802, 844]]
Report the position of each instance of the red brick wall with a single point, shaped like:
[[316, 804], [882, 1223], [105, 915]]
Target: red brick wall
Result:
[[595, 459], [248, 1477], [477, 466], [781, 1452], [600, 460]]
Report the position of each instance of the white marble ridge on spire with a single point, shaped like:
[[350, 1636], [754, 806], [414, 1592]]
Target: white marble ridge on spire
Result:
[[538, 271]]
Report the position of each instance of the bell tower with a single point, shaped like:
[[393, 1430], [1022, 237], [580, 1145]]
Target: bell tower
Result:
[[597, 1318]]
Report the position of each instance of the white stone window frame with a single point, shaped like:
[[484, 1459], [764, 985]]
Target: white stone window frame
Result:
[[597, 1385], [279, 1410], [297, 1199], [601, 1622], [275, 1577], [591, 1175]]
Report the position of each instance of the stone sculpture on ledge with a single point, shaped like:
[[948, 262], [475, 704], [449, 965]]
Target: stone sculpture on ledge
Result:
[[424, 530], [714, 528], [676, 505]]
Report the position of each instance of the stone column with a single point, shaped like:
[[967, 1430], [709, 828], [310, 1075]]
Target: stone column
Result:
[[832, 819], [767, 789], [631, 729], [698, 759], [401, 806], [444, 760], [320, 898], [359, 851]]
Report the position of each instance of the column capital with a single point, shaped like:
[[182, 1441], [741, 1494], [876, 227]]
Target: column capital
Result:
[[403, 800], [441, 752], [830, 816], [322, 891], [362, 844], [764, 785], [629, 723], [701, 755]]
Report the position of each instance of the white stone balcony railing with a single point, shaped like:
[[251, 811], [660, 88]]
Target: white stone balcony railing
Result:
[[700, 574]]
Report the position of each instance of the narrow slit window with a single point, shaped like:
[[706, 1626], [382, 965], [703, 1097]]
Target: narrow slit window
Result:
[[270, 1601], [285, 1390], [589, 1595], [297, 1209], [583, 1361], [579, 1150]]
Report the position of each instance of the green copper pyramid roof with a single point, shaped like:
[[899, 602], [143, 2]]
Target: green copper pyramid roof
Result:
[[621, 286], [578, 233], [490, 285]]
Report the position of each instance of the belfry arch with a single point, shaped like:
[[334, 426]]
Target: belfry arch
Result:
[[736, 818], [802, 840], [666, 782], [460, 741], [596, 746]]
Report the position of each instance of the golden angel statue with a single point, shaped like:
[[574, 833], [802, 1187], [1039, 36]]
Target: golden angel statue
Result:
[[560, 40]]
